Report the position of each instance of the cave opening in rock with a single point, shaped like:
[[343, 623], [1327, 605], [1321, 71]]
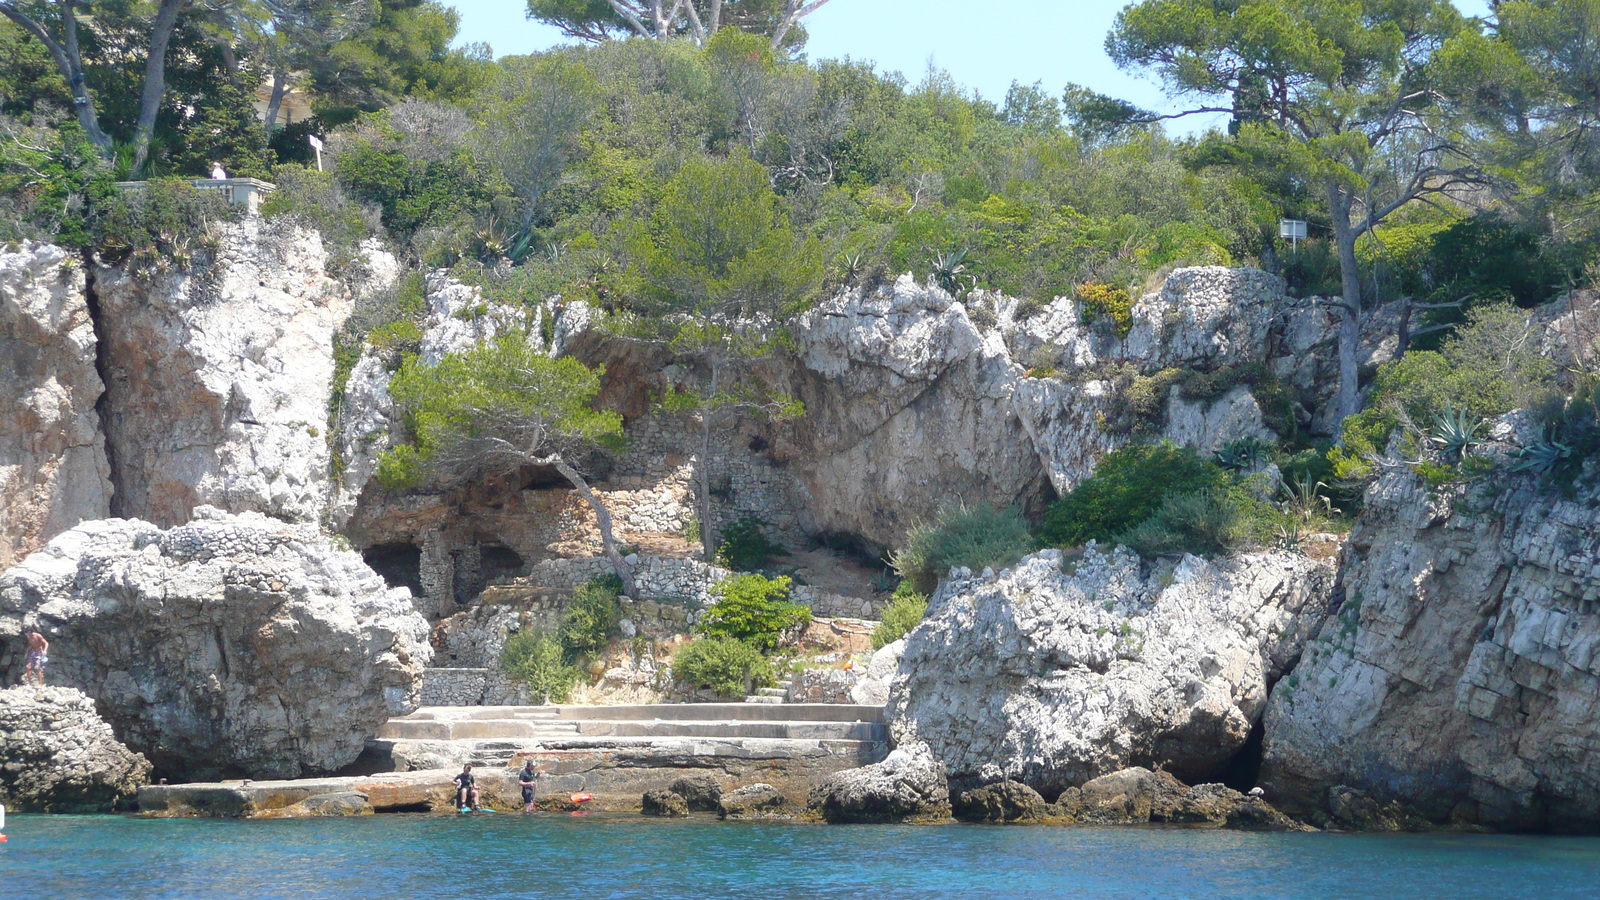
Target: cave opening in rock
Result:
[[499, 561], [1244, 768], [399, 563]]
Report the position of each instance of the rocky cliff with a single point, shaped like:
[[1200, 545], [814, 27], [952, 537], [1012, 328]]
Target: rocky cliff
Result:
[[53, 471], [1460, 677], [60, 756], [1059, 671], [232, 644]]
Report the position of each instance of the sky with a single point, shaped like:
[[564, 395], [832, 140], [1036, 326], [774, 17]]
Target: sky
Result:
[[1050, 41]]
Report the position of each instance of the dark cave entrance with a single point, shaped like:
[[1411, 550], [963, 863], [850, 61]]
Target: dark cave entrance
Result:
[[1242, 771], [399, 563]]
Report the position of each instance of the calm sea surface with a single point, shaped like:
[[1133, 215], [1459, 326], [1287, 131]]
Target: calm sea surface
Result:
[[613, 856]]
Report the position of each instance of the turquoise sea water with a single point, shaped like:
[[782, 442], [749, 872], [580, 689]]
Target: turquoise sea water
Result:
[[622, 856]]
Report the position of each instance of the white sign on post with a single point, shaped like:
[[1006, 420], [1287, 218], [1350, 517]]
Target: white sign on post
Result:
[[316, 144], [1294, 230]]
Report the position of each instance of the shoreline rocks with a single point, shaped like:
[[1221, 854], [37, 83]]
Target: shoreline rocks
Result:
[[232, 644], [909, 786], [1057, 672], [59, 756]]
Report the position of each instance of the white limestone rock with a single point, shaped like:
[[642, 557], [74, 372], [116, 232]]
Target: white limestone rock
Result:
[[1054, 677], [233, 644], [220, 376], [53, 471], [1461, 674]]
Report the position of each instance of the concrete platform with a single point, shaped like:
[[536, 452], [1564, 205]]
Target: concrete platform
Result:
[[615, 753]]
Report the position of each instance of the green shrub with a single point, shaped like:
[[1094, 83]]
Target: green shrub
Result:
[[745, 546], [1127, 488], [534, 658], [727, 665], [754, 609], [976, 537], [904, 612], [161, 225], [313, 199], [1203, 523], [592, 616]]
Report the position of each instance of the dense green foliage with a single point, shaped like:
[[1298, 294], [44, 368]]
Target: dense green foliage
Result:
[[1487, 368], [754, 609], [745, 546], [903, 613], [727, 665], [535, 659], [976, 537], [1127, 488], [591, 617], [497, 406]]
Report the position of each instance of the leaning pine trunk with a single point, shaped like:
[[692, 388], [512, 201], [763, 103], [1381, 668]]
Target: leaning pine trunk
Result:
[[608, 541], [1344, 237], [155, 79]]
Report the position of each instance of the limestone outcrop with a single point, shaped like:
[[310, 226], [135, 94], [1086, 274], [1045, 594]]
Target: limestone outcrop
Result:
[[219, 377], [908, 786], [233, 644], [60, 756], [1053, 673], [1460, 677], [53, 471]]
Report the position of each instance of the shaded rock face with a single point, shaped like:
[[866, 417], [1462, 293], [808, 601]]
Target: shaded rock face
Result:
[[663, 803], [60, 756], [1460, 675], [219, 378], [233, 644], [702, 793], [908, 786], [53, 471], [1138, 796], [1053, 677], [1005, 801]]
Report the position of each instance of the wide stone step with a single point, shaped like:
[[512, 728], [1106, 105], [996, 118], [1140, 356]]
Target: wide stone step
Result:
[[746, 727], [761, 698], [675, 712]]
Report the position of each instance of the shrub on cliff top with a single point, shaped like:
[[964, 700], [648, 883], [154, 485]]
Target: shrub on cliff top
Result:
[[754, 609], [1127, 488], [976, 537], [745, 546]]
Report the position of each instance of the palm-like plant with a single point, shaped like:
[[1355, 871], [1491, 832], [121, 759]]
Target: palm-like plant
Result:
[[1542, 455], [952, 268], [1454, 432], [1241, 454], [1305, 500]]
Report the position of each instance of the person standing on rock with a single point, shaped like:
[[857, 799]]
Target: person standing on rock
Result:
[[38, 655], [528, 780], [466, 789]]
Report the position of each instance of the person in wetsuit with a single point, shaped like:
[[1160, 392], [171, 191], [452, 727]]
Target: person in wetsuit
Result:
[[528, 779], [466, 789]]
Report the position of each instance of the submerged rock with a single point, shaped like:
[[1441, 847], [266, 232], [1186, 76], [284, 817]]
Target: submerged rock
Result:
[[60, 756], [1458, 682], [233, 644], [1054, 678], [908, 786]]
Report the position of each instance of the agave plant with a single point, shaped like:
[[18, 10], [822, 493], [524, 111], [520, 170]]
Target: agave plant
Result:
[[1305, 500], [952, 268], [1454, 432], [1288, 537], [1242, 454], [1542, 455]]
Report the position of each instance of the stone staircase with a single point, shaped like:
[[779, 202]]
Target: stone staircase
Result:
[[772, 694], [618, 748]]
